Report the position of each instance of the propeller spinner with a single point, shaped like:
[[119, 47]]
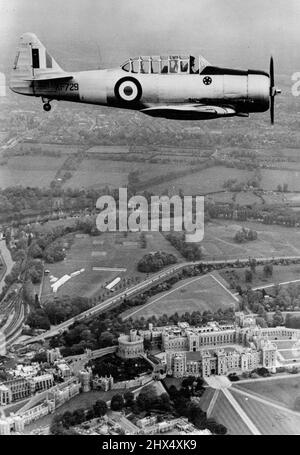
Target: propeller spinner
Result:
[[273, 90]]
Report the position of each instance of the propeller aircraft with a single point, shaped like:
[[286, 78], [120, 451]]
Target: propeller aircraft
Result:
[[173, 87]]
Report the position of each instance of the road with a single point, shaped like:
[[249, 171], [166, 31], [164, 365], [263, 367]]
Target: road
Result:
[[154, 279]]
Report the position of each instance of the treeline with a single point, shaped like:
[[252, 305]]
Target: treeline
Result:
[[190, 251], [284, 216], [56, 310], [277, 298], [153, 262]]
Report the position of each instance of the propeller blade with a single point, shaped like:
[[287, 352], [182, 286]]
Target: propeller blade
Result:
[[272, 82], [272, 91], [272, 109]]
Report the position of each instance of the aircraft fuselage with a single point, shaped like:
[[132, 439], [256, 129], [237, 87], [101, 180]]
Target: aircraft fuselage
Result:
[[246, 91]]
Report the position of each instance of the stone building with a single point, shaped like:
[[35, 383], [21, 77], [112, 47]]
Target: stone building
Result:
[[220, 349], [19, 388], [130, 346]]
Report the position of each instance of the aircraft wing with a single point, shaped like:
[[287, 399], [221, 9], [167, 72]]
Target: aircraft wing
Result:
[[51, 76], [190, 111]]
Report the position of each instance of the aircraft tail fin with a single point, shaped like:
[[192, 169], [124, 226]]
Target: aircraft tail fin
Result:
[[31, 62]]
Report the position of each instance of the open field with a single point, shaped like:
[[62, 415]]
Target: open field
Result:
[[271, 178], [29, 170], [121, 253], [99, 173], [222, 196], [223, 412], [281, 274], [272, 240], [205, 181], [283, 391], [247, 198], [268, 419], [194, 294]]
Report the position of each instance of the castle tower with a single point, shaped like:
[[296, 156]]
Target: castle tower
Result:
[[85, 378], [133, 335], [222, 368]]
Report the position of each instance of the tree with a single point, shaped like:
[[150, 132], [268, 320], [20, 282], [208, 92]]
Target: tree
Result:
[[188, 382], [128, 398], [278, 319], [117, 402], [268, 270], [164, 402], [248, 276], [145, 398], [100, 408], [261, 322]]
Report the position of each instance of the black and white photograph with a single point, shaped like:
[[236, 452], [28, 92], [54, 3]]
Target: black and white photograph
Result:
[[149, 221]]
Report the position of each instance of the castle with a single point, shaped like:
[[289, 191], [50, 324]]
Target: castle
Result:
[[218, 349]]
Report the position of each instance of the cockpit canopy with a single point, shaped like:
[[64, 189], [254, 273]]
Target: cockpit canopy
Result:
[[173, 64]]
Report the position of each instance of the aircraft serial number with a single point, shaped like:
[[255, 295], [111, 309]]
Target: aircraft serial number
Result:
[[68, 87]]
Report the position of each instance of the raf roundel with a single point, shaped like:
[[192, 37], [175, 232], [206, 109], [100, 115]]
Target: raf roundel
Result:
[[128, 90], [207, 80]]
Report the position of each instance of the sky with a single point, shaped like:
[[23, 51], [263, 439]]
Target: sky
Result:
[[85, 34]]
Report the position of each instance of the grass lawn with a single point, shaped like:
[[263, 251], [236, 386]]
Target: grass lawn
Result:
[[223, 412], [269, 420], [206, 398], [194, 294], [110, 250], [284, 391], [272, 240]]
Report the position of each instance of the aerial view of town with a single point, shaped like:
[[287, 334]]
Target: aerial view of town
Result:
[[143, 332]]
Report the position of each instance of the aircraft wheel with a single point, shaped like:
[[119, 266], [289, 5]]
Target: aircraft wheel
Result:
[[47, 107]]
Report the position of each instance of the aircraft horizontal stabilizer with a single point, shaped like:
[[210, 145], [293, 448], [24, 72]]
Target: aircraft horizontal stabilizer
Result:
[[50, 76]]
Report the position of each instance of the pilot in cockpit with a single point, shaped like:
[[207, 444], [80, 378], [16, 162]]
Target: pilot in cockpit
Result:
[[193, 70]]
